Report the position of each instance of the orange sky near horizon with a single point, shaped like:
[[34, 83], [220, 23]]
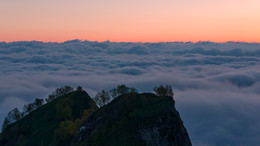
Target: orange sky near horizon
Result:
[[130, 20]]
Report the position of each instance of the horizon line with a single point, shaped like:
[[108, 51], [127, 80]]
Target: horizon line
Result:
[[82, 40]]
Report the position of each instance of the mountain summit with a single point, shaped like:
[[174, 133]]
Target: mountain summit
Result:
[[135, 119], [51, 124], [74, 119]]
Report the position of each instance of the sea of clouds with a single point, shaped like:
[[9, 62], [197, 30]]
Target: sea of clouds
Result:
[[216, 85]]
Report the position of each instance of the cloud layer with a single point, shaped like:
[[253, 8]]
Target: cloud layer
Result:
[[216, 85]]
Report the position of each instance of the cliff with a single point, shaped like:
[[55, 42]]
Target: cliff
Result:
[[134, 119]]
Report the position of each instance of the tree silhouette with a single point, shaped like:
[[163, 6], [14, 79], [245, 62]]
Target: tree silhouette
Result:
[[79, 88], [38, 102], [104, 97], [164, 90], [5, 123], [12, 116], [59, 92]]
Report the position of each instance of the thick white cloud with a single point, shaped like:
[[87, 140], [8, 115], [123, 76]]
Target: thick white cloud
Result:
[[216, 85]]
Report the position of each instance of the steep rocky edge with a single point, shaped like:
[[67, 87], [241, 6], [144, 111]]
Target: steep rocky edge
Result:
[[134, 119]]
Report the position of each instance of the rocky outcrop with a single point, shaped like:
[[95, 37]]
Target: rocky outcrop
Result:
[[134, 119], [168, 130]]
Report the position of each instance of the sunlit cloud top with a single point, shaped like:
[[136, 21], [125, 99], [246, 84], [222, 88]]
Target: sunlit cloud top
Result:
[[130, 20]]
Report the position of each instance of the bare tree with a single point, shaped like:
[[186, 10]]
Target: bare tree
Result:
[[102, 98]]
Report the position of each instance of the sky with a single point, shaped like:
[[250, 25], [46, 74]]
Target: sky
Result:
[[216, 85], [130, 20]]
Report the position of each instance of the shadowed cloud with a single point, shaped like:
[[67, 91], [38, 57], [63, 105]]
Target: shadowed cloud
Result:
[[216, 85]]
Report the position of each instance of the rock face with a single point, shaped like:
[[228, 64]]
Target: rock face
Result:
[[134, 119], [168, 130]]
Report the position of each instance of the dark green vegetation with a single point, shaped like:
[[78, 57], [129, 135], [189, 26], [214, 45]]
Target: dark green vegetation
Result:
[[163, 90], [134, 119], [104, 97], [15, 115], [73, 118], [51, 124]]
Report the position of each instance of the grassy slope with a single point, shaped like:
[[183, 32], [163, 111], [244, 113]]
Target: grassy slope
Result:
[[37, 128]]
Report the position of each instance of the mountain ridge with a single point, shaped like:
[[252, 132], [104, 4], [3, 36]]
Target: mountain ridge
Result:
[[74, 119], [138, 119], [38, 127]]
